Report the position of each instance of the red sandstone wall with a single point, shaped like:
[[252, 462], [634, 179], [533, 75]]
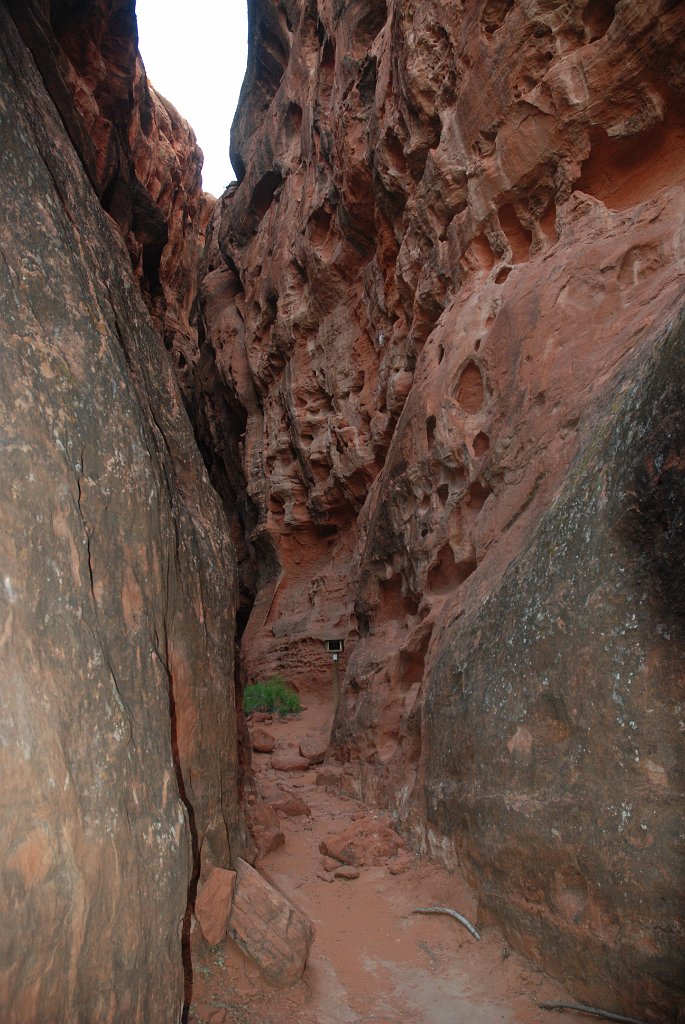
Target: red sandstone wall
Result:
[[119, 753], [141, 156], [458, 221], [456, 234]]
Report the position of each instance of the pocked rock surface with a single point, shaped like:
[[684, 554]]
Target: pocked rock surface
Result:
[[456, 240]]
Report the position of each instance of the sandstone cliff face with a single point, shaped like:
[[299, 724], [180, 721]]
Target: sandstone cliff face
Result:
[[117, 600], [455, 243], [140, 155]]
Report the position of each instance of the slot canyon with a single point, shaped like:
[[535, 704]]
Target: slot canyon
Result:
[[414, 384]]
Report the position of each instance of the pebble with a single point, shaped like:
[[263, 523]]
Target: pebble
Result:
[[347, 872]]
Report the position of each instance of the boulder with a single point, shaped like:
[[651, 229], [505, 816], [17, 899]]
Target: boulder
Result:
[[213, 904], [314, 748], [269, 928], [262, 741], [329, 776], [367, 841], [293, 806], [289, 761], [264, 826], [400, 863], [347, 872]]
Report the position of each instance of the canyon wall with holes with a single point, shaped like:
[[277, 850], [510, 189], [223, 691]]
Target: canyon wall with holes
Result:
[[119, 749], [439, 378]]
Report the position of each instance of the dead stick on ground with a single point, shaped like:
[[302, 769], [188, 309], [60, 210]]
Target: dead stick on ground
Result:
[[581, 1008], [451, 913]]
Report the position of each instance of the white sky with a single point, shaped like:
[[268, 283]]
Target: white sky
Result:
[[195, 56]]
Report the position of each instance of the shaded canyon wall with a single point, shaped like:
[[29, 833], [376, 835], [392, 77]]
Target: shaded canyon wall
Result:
[[118, 595], [430, 308]]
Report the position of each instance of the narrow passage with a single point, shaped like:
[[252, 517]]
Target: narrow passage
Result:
[[373, 961]]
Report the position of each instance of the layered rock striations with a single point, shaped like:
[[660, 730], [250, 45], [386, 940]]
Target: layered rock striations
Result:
[[430, 304], [117, 594]]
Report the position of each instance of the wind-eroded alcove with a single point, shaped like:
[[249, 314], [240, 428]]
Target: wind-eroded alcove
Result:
[[395, 424]]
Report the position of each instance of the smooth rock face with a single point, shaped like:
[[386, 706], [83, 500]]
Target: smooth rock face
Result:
[[457, 232], [553, 755], [268, 928], [117, 603]]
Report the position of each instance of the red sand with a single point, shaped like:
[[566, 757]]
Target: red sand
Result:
[[372, 962]]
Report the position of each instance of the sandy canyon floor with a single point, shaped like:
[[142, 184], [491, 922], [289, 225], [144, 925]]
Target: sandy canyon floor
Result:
[[373, 961]]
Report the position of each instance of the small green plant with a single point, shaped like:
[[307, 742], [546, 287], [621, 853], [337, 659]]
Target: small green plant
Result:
[[272, 695]]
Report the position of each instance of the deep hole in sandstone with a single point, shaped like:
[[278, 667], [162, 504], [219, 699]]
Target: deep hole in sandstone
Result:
[[519, 238], [371, 22], [494, 13], [263, 194], [481, 444], [393, 603], [478, 494], [482, 253], [625, 171], [295, 115], [470, 390], [430, 430], [446, 573], [319, 225], [597, 18]]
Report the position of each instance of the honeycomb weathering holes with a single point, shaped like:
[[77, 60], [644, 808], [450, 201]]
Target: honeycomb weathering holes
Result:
[[470, 390]]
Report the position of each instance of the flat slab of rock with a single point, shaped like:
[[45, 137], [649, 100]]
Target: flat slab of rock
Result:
[[293, 806], [213, 904], [268, 928], [368, 841], [262, 741], [347, 872], [289, 761]]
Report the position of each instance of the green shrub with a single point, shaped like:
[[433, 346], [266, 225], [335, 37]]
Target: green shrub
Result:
[[271, 695]]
